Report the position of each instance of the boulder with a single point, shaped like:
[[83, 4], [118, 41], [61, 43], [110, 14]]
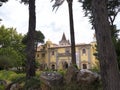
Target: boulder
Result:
[[3, 82], [87, 77], [15, 86], [71, 74], [51, 79]]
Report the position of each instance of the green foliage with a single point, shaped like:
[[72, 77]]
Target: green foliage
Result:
[[5, 62], [96, 53], [37, 64], [11, 50], [2, 87], [38, 73], [18, 78], [95, 69], [39, 38], [75, 86], [33, 82], [116, 41], [9, 37], [117, 48], [10, 58], [75, 65], [112, 6], [62, 72], [7, 75], [11, 76], [114, 33]]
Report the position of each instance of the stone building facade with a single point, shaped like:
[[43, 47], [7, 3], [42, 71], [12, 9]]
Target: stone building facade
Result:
[[54, 56]]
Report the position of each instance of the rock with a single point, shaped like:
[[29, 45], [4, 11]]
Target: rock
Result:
[[13, 86], [3, 82], [87, 77], [71, 74], [51, 79]]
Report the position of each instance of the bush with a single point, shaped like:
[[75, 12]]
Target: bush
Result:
[[32, 83], [10, 75], [75, 65], [95, 69], [2, 87], [7, 75], [62, 72]]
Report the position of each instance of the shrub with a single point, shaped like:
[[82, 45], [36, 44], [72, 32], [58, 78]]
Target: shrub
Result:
[[32, 83], [62, 72], [7, 75], [75, 65], [2, 87], [10, 75]]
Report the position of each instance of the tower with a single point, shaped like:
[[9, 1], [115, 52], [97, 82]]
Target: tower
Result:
[[63, 41]]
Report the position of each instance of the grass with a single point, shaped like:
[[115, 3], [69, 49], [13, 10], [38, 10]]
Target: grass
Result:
[[11, 76], [75, 86], [2, 87]]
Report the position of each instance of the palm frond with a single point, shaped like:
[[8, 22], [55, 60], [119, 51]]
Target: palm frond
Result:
[[3, 0], [57, 4]]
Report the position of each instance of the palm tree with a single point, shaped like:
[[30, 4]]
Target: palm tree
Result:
[[30, 49], [2, 1], [57, 4], [30, 67]]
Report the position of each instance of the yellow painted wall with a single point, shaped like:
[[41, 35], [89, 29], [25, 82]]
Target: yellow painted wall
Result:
[[49, 58]]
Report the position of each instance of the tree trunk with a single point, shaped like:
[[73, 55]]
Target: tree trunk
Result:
[[73, 51], [106, 51], [30, 64]]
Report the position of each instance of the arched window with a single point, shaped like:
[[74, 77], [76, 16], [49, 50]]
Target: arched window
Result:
[[65, 65], [53, 67], [84, 66], [53, 52], [84, 51]]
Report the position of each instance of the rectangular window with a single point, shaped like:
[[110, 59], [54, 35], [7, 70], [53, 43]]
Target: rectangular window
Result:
[[53, 53], [38, 55], [43, 47], [83, 51]]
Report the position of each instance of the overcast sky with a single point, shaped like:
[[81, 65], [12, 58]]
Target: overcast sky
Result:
[[51, 23]]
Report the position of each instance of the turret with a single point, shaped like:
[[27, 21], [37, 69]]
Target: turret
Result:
[[63, 41]]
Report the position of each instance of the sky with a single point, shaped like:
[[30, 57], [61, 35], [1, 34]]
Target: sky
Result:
[[52, 24]]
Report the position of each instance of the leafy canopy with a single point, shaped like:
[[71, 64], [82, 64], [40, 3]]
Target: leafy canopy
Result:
[[11, 48]]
